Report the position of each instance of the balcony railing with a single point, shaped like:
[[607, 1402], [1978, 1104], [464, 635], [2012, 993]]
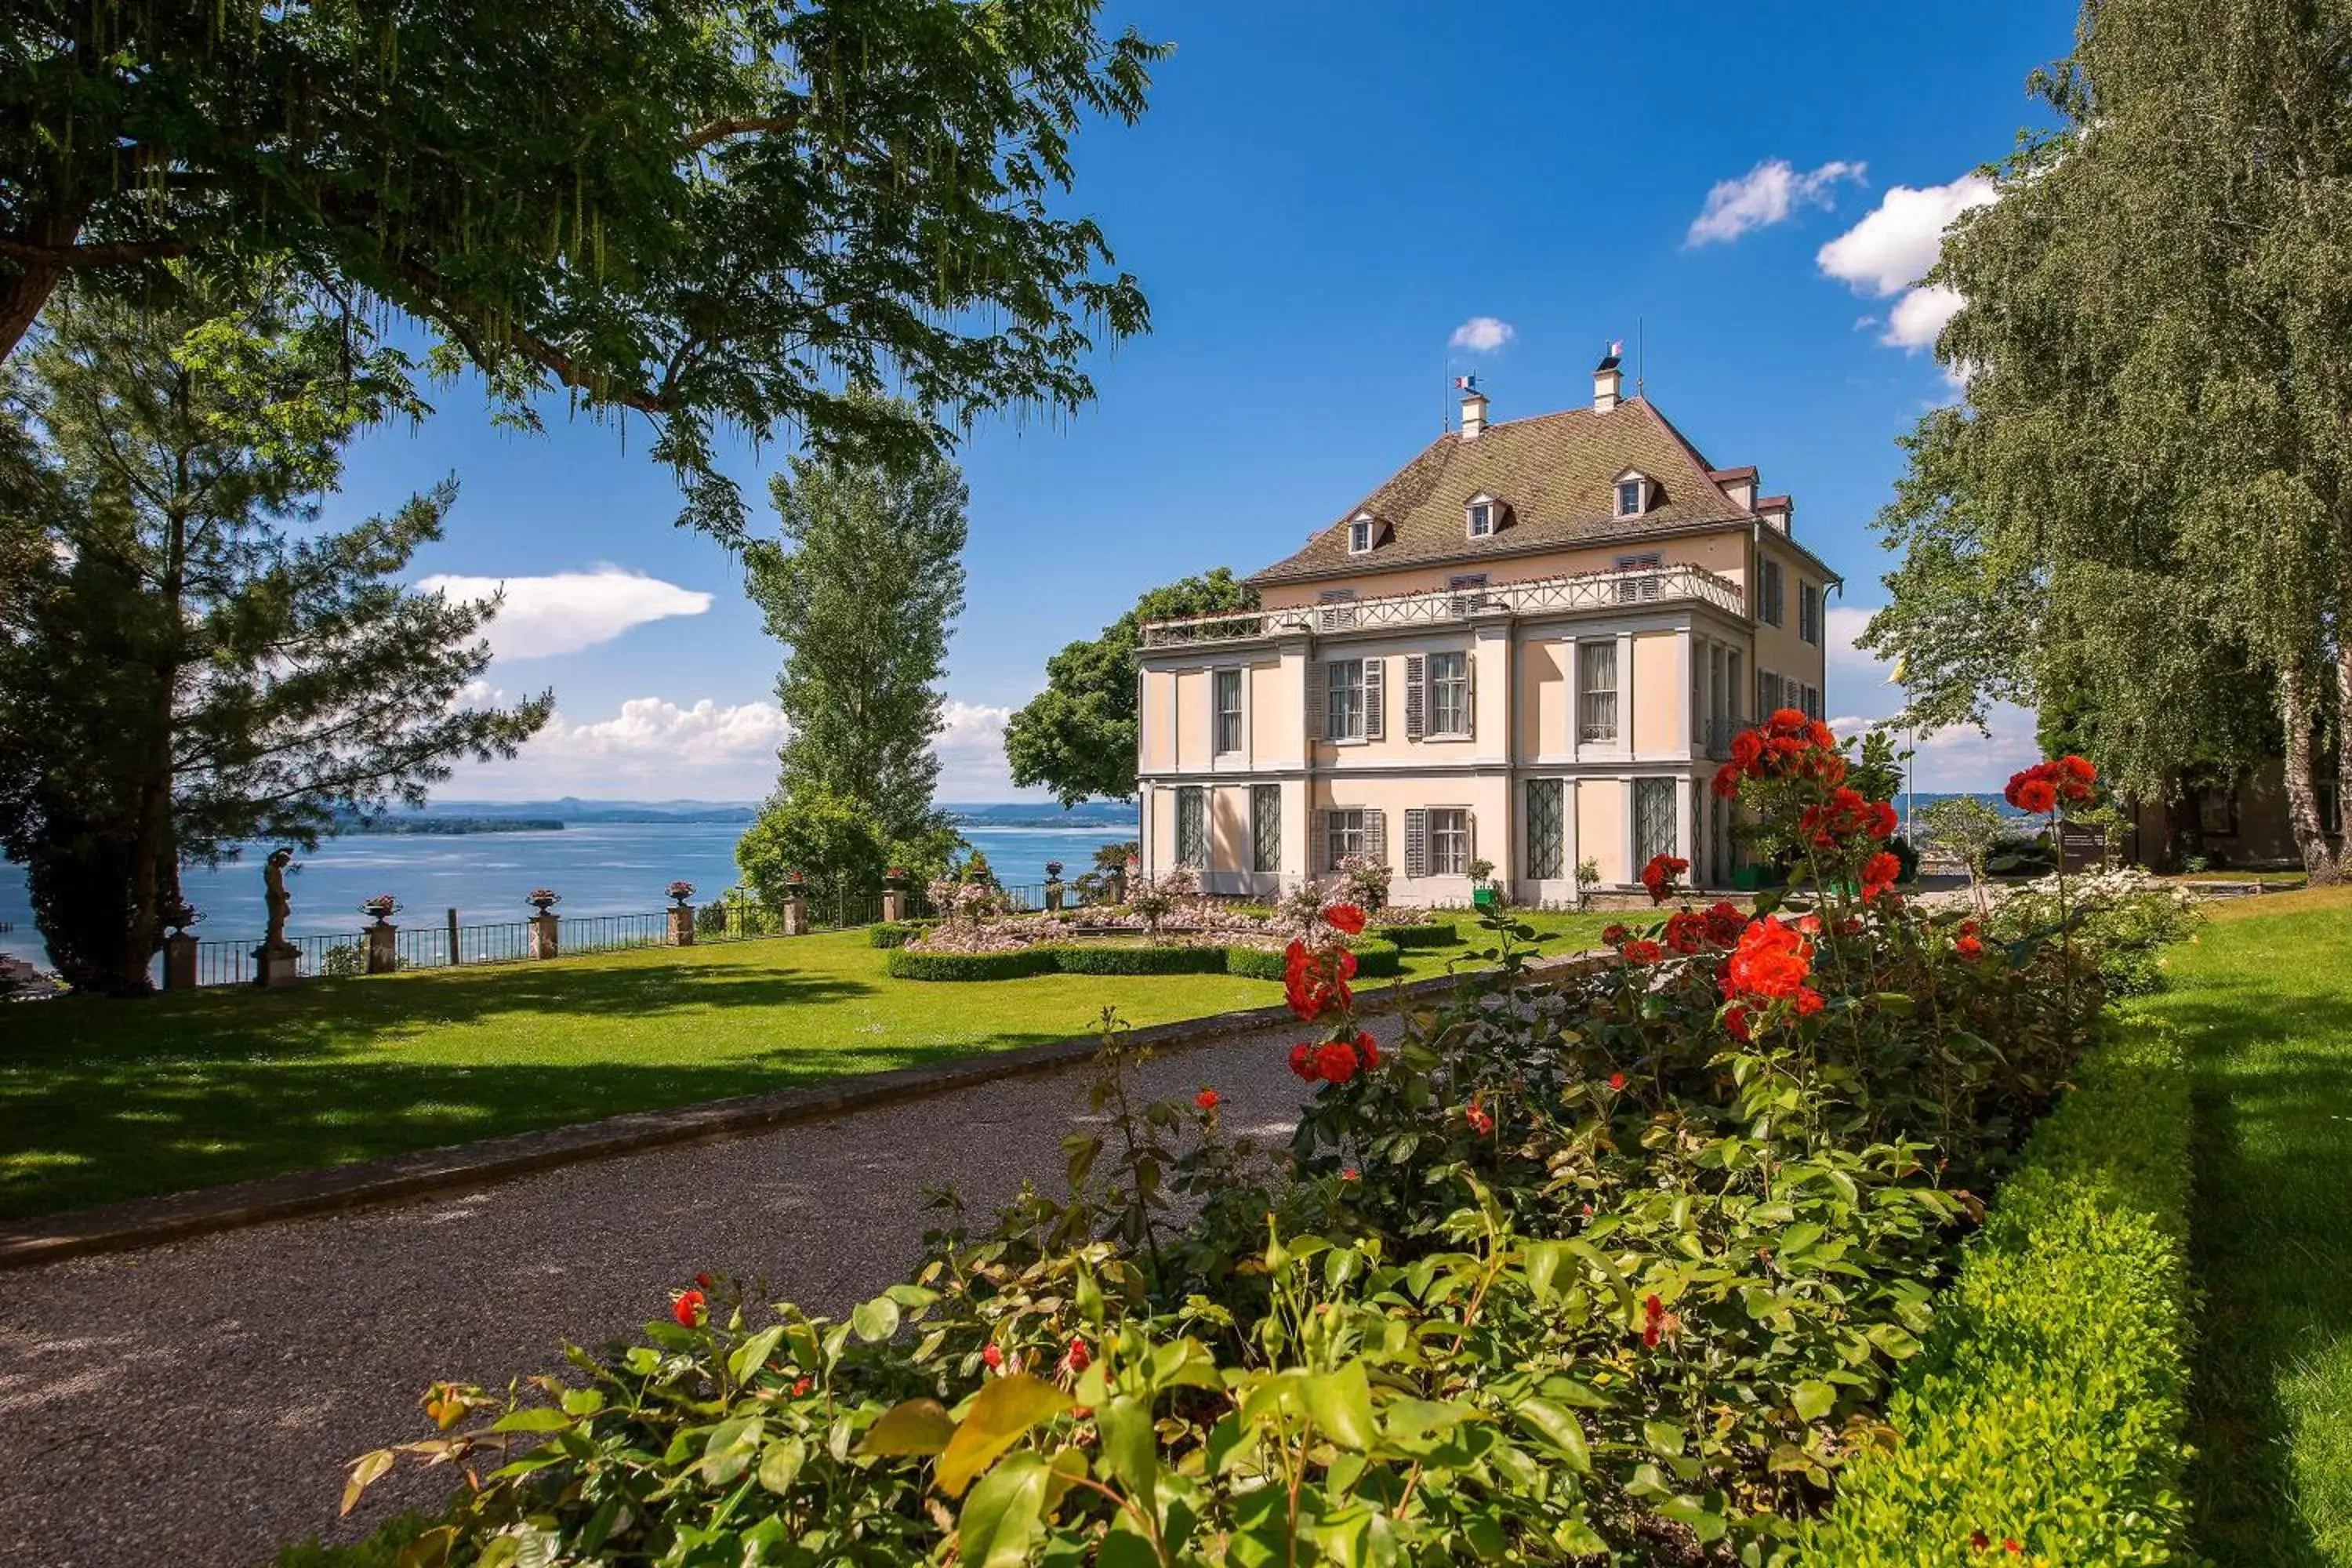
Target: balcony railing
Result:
[[1544, 596], [1719, 732]]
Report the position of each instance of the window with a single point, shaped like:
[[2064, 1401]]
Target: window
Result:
[[1482, 520], [1335, 596], [1634, 589], [1809, 612], [1343, 834], [1768, 694], [1547, 827], [1227, 686], [2217, 812], [1193, 827], [1359, 536], [1469, 591], [1769, 605], [1265, 827], [1596, 664], [1629, 497], [1462, 582], [1449, 694], [1343, 700], [1653, 818], [1449, 842]]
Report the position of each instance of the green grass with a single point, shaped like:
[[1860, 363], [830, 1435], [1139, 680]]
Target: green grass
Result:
[[107, 1100], [2263, 1000]]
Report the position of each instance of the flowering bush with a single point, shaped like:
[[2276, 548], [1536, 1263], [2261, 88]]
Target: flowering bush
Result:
[[1365, 881], [2126, 918], [1621, 1264], [961, 902]]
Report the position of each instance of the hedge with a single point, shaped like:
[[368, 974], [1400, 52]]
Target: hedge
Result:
[[1418, 934], [896, 933], [2049, 1407], [1373, 961]]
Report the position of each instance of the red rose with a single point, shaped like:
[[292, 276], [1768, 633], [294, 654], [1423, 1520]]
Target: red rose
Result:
[[1979, 1540], [1344, 916], [1747, 751], [1614, 935], [1350, 1173], [1475, 1115], [2075, 769], [1617, 1080], [993, 1358], [703, 1280], [1206, 1099], [1685, 931], [1882, 820], [1335, 1061], [1302, 1060], [1078, 1359], [1735, 1019], [1724, 924], [2009, 1544], [1658, 875], [1970, 948], [1789, 721], [688, 1309], [1878, 874], [1369, 1048], [1654, 1315], [1726, 782], [1641, 950]]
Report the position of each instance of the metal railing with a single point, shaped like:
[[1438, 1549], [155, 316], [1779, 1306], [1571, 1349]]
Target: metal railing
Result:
[[222, 962], [1544, 596], [1719, 736]]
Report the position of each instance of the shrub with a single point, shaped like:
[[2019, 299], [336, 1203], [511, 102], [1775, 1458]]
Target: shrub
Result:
[[896, 933], [1419, 933], [1110, 958], [1010, 963], [2049, 1407], [1375, 958]]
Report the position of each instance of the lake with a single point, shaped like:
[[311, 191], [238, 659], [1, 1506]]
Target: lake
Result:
[[600, 867]]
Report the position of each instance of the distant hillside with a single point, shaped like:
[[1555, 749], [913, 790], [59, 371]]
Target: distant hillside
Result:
[[411, 823]]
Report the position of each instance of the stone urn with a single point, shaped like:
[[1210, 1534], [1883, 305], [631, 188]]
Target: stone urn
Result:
[[796, 912], [179, 947], [681, 914]]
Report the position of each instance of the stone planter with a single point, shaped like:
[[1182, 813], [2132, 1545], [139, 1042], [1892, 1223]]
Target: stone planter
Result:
[[681, 925], [179, 961], [797, 913], [1054, 898], [893, 904], [382, 957], [276, 966], [543, 942]]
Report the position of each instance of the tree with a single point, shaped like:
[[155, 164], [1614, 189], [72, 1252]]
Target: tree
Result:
[[826, 836], [863, 587], [714, 215], [1078, 736], [2149, 493], [194, 662]]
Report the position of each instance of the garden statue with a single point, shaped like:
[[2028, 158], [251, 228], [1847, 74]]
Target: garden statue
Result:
[[277, 960]]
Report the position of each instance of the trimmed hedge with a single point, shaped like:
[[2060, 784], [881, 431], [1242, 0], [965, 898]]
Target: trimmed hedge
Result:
[[1419, 933], [896, 933], [2049, 1407], [1374, 959]]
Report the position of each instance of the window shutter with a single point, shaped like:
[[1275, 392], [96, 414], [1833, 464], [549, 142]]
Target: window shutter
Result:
[[1416, 697], [1375, 701], [1470, 692], [1376, 837], [1469, 838], [1318, 847], [1319, 720], [1416, 841]]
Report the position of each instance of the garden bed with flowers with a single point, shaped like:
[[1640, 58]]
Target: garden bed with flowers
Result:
[[1634, 1268]]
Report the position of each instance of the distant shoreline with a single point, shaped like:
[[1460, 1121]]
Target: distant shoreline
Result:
[[414, 826]]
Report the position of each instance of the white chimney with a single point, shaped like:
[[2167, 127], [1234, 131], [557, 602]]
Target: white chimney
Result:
[[1473, 414], [1607, 385]]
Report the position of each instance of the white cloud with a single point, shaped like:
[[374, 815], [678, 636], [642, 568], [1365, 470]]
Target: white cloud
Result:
[[569, 611], [1890, 251], [656, 749], [1956, 757], [1482, 334], [1765, 195]]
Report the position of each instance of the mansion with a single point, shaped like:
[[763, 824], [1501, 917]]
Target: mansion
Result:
[[1530, 646]]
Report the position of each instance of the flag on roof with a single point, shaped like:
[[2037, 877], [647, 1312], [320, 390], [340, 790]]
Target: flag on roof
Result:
[[1466, 383], [1616, 347]]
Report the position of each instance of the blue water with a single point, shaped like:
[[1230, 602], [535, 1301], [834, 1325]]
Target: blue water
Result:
[[598, 867]]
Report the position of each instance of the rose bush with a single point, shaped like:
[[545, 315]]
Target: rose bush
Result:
[[1624, 1262]]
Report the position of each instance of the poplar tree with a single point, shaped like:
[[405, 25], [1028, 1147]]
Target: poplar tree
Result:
[[2147, 493], [189, 658]]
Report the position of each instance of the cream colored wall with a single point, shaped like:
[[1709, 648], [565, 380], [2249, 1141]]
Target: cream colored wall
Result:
[[1543, 699], [1779, 648], [1154, 752], [1273, 716], [1723, 552], [1193, 718], [1488, 796], [1601, 805], [1229, 844], [1163, 830], [1393, 746], [1659, 694]]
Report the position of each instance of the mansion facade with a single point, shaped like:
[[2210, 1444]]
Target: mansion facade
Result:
[[1529, 647]]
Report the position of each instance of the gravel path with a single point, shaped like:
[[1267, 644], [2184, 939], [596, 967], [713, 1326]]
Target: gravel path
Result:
[[196, 1403]]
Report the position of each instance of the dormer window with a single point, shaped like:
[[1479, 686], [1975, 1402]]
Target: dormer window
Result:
[[1481, 519], [1360, 535], [1632, 493]]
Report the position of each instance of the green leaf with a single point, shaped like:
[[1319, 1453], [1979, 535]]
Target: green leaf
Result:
[[916, 1426], [779, 1467], [1002, 1412], [753, 1353], [1814, 1399], [1005, 1513], [1129, 1451], [875, 1321], [1341, 1404], [1559, 1429], [538, 1418]]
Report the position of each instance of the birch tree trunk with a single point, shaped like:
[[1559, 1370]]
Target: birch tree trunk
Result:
[[2319, 857]]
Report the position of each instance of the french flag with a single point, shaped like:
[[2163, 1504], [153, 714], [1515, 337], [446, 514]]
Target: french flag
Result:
[[1466, 383]]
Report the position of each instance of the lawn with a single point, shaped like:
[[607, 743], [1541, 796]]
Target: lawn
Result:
[[2265, 998], [106, 1100]]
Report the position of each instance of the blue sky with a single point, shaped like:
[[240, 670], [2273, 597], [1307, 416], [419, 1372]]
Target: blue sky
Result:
[[1321, 199]]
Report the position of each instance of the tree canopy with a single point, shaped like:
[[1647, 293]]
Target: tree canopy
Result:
[[2145, 495], [1078, 736], [714, 215], [188, 659]]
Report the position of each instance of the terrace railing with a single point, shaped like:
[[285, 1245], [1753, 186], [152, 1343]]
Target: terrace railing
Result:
[[1544, 596]]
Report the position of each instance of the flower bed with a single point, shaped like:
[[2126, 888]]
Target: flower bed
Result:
[[1630, 1266], [1375, 958]]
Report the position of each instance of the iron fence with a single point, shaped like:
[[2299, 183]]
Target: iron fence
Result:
[[222, 962]]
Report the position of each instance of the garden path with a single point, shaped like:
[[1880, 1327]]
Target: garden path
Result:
[[198, 1402]]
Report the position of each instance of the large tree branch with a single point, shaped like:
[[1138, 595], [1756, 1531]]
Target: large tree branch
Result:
[[111, 254], [725, 130]]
